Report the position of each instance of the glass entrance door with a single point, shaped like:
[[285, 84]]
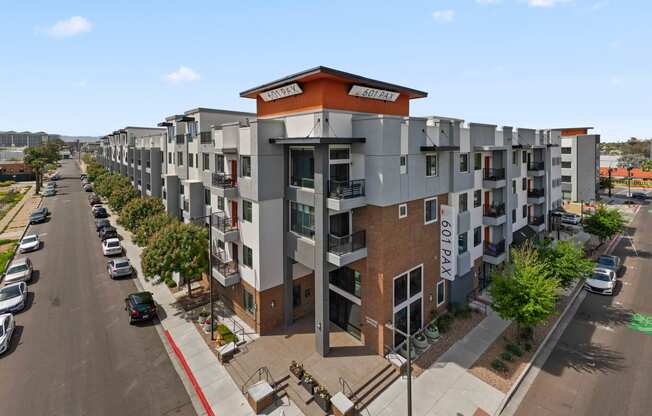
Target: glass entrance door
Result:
[[345, 314]]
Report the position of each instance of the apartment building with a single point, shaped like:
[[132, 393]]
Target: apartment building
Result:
[[332, 202], [25, 138], [580, 164]]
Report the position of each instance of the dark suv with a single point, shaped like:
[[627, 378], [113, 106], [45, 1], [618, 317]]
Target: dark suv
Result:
[[101, 223], [100, 213], [38, 215], [108, 232], [140, 307]]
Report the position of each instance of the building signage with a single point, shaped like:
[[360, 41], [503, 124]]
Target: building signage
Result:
[[448, 242], [281, 92], [373, 93]]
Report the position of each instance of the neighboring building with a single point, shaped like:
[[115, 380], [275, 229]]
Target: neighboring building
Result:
[[332, 201], [25, 138], [17, 171], [580, 164], [609, 161]]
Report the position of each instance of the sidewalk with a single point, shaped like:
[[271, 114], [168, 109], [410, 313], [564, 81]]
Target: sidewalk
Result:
[[14, 222], [447, 388], [211, 380]]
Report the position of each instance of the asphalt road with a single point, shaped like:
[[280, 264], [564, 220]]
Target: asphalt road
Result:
[[600, 366], [74, 353]]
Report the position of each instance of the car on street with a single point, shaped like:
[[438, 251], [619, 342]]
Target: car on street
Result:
[[7, 325], [140, 306], [55, 177], [639, 195], [610, 262], [111, 247], [100, 212], [13, 297], [20, 270], [39, 215], [611, 273], [93, 199], [88, 187], [600, 282], [101, 223], [96, 207], [50, 192], [119, 268], [51, 185], [108, 232], [29, 243], [82, 176], [572, 219]]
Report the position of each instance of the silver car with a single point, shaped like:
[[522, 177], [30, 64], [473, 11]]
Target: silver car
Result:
[[13, 297], [119, 268], [20, 270]]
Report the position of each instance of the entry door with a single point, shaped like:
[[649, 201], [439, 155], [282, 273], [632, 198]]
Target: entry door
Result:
[[234, 213], [339, 224], [487, 163], [486, 235], [234, 251], [486, 199], [234, 170]]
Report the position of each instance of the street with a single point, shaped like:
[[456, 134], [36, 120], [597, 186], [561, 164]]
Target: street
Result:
[[73, 351], [600, 366]]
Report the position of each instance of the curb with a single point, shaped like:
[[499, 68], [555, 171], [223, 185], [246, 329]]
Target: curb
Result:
[[577, 289], [21, 236], [191, 377]]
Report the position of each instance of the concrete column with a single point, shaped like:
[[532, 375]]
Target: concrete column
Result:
[[155, 158], [322, 319], [172, 195], [288, 283]]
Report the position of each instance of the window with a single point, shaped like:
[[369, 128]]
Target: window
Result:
[[296, 295], [566, 195], [302, 219], [566, 150], [346, 279], [207, 196], [524, 157], [463, 199], [170, 157], [566, 179], [402, 210], [245, 166], [248, 302], [205, 161], [197, 160], [415, 282], [477, 198], [407, 294], [514, 186], [302, 168], [441, 288], [514, 157], [191, 160], [403, 164], [180, 158], [477, 236], [431, 165], [462, 243], [247, 256], [219, 163], [181, 189], [220, 203], [566, 165], [339, 153], [523, 184], [477, 162], [430, 210], [247, 213], [513, 216], [524, 211], [464, 162]]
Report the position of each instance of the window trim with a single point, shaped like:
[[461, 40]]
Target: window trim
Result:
[[402, 206], [459, 164], [409, 300], [432, 175], [443, 283], [425, 203]]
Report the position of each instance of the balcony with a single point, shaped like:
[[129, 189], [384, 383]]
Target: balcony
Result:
[[225, 228], [180, 138], [347, 249], [536, 169], [186, 205], [190, 137], [226, 272], [536, 196], [493, 178], [537, 222], [494, 253], [225, 184], [494, 214], [302, 182], [346, 195], [206, 137]]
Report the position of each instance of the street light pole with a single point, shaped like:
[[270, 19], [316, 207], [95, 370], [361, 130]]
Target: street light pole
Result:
[[409, 365], [210, 265]]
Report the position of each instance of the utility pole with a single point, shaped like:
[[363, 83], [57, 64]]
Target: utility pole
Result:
[[210, 269], [609, 182], [409, 365]]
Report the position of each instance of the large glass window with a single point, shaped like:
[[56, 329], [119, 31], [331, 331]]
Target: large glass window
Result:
[[219, 163], [346, 279], [302, 168], [441, 288], [566, 150], [339, 153], [400, 289], [247, 256], [566, 179], [302, 219], [477, 161], [430, 210], [477, 236], [247, 211], [249, 302], [462, 243], [245, 166], [477, 198], [415, 282], [205, 161], [464, 162], [407, 294], [431, 165], [463, 202]]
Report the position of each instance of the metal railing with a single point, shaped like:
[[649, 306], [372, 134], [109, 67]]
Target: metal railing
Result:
[[346, 189], [205, 137], [261, 373], [302, 182], [536, 193], [494, 210], [224, 180], [186, 205], [180, 138], [494, 249], [224, 223], [494, 174], [225, 268], [536, 166], [348, 243], [536, 220]]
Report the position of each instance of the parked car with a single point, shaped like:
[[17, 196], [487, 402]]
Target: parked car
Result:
[[13, 297], [108, 232], [119, 268], [100, 213], [50, 192], [639, 195], [51, 185], [609, 262], [39, 215], [88, 187], [7, 325], [101, 223], [140, 306], [111, 247], [572, 219], [20, 270], [96, 207], [94, 199], [29, 243], [82, 176], [599, 282], [55, 177], [611, 273]]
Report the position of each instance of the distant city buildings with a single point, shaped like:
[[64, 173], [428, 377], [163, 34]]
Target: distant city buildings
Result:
[[11, 139]]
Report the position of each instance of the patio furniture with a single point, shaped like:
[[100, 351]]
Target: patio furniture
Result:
[[225, 352], [260, 396], [342, 405]]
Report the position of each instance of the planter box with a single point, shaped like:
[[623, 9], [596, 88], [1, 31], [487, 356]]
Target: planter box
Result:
[[324, 404], [310, 387], [297, 377]]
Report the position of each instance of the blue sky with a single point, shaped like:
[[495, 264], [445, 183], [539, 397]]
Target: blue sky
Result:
[[82, 67]]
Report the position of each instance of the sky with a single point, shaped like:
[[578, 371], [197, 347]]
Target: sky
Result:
[[90, 67]]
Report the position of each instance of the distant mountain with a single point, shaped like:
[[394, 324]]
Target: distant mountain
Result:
[[80, 138]]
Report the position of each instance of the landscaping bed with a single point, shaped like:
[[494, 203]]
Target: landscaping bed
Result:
[[7, 250]]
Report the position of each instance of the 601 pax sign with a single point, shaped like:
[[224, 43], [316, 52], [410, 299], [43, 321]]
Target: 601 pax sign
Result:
[[448, 242]]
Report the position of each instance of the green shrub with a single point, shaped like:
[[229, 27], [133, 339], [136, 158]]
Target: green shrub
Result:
[[444, 322], [498, 365], [170, 283], [507, 356], [514, 349], [6, 255], [226, 334]]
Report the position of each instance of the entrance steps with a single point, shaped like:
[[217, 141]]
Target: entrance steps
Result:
[[372, 388]]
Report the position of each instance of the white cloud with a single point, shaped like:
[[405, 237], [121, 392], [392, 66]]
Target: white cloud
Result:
[[443, 15], [546, 3], [183, 74], [70, 27]]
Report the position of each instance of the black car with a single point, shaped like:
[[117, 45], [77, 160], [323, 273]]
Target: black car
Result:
[[108, 232], [94, 200], [639, 195], [101, 223], [100, 213], [140, 307], [38, 215], [82, 176]]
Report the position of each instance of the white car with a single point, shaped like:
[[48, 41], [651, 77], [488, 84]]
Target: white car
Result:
[[111, 247], [13, 297], [29, 243], [600, 282], [611, 273], [7, 325], [20, 270], [572, 219]]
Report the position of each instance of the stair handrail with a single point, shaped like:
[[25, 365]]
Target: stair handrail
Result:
[[262, 371]]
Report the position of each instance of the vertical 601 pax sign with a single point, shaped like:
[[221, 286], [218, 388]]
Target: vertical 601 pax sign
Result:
[[448, 242]]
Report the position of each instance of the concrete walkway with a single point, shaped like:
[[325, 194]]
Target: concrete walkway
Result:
[[214, 383], [13, 223], [447, 388]]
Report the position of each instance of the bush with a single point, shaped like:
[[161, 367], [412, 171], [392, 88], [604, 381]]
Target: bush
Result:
[[498, 365], [444, 322], [507, 356], [225, 334], [170, 283], [514, 349]]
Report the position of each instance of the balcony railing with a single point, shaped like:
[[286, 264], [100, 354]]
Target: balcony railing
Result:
[[180, 138], [346, 189], [223, 180], [224, 223], [205, 137], [302, 182], [536, 220], [186, 205], [225, 268], [348, 243], [494, 174], [536, 193], [494, 210], [536, 166], [494, 249]]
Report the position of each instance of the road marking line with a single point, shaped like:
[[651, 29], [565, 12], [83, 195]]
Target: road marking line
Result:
[[631, 241]]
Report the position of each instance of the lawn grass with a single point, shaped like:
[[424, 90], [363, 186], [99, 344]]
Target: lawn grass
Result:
[[6, 255]]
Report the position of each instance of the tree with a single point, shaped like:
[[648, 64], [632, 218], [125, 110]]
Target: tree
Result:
[[646, 165], [150, 226], [107, 183], [566, 261], [604, 223], [139, 209], [178, 247], [525, 290], [121, 196], [38, 157]]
